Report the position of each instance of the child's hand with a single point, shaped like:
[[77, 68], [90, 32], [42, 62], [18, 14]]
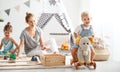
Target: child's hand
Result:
[[17, 56], [55, 52], [78, 39], [12, 51]]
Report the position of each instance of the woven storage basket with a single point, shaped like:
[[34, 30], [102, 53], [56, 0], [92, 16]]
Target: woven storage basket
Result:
[[101, 54], [53, 60]]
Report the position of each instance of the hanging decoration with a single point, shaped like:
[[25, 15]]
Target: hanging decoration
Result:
[[27, 3], [17, 8], [52, 2], [38, 0], [7, 11]]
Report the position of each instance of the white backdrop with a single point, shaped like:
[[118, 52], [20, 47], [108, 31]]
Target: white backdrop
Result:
[[106, 22]]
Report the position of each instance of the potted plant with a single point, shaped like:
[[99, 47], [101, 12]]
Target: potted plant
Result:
[[1, 20]]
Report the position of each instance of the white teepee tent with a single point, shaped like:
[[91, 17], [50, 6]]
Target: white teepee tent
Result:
[[54, 21]]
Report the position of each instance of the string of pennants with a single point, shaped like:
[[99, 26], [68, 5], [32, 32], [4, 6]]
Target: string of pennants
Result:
[[27, 3]]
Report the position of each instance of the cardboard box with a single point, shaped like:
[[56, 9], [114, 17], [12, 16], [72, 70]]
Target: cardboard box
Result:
[[53, 60]]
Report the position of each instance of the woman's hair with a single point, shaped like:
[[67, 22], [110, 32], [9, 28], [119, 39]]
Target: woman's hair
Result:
[[28, 15], [8, 27], [84, 14]]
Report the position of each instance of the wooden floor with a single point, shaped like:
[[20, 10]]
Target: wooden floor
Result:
[[102, 66]]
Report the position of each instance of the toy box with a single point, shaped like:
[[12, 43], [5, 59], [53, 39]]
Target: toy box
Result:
[[53, 60]]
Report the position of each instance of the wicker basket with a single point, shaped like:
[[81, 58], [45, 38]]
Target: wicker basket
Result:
[[53, 60], [101, 54]]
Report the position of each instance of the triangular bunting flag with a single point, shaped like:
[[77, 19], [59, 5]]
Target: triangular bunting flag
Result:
[[7, 11], [38, 0], [52, 2], [27, 3], [17, 8]]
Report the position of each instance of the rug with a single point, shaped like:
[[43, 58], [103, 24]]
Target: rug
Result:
[[26, 63]]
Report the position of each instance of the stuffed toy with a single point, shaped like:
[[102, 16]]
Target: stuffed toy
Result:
[[98, 43], [90, 38], [84, 52]]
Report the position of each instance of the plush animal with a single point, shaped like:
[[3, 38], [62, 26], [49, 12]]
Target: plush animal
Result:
[[84, 52], [98, 43], [90, 38]]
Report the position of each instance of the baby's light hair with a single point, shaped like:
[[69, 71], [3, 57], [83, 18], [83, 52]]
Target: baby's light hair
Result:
[[84, 14]]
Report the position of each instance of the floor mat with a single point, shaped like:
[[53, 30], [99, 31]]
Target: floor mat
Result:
[[26, 63]]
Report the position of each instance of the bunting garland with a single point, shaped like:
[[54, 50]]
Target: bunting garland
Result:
[[52, 2], [17, 8], [38, 0], [27, 3], [7, 11]]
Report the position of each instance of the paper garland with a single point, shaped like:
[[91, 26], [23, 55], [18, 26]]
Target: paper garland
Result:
[[17, 8], [7, 11], [27, 3]]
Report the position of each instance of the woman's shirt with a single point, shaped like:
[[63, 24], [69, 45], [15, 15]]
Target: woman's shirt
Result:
[[29, 42]]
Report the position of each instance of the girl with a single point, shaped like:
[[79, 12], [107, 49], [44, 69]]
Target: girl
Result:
[[8, 42]]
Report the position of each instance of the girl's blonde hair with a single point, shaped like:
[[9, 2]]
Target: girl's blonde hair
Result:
[[8, 27], [28, 15]]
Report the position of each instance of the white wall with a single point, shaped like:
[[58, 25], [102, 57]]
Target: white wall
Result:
[[73, 10], [106, 21]]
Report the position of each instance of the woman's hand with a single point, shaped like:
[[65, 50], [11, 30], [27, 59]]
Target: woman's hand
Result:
[[43, 47], [17, 57]]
